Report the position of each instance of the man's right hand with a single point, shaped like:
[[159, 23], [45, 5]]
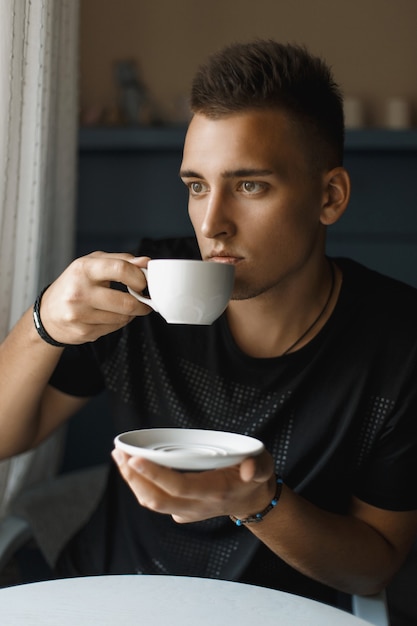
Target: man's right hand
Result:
[[80, 306]]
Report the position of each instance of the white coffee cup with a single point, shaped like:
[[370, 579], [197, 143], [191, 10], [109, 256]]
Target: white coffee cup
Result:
[[187, 291]]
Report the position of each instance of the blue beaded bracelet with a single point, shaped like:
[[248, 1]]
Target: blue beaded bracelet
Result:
[[258, 517]]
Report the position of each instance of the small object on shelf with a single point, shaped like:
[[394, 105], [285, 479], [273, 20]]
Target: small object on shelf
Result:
[[354, 111], [134, 99], [398, 113]]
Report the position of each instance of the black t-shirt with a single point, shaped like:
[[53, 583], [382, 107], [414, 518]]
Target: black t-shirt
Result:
[[338, 417]]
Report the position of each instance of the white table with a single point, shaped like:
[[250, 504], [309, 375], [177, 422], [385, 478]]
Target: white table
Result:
[[160, 601]]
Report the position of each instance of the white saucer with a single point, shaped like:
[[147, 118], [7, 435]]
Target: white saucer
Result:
[[189, 448]]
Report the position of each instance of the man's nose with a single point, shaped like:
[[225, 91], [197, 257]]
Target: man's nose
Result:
[[217, 218]]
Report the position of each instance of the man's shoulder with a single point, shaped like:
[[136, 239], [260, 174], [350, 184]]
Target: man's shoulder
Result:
[[381, 304], [374, 284]]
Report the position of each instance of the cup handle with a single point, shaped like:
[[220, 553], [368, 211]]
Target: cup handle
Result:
[[139, 296]]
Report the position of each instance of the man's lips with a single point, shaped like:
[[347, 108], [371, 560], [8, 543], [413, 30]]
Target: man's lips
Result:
[[223, 257]]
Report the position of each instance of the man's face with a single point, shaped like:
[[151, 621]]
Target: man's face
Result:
[[254, 198]]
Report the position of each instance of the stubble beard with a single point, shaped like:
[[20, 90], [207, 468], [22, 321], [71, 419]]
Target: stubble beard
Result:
[[245, 291]]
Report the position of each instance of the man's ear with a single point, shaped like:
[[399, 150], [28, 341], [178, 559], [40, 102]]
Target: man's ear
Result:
[[336, 193]]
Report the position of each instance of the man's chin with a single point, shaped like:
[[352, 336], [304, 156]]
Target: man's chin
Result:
[[242, 293]]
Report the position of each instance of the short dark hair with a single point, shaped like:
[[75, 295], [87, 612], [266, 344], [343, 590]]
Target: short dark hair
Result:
[[267, 74]]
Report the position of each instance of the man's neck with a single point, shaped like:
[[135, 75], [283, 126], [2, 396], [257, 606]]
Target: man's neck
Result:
[[268, 325]]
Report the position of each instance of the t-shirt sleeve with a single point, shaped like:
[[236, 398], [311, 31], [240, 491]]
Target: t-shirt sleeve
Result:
[[78, 372], [387, 478]]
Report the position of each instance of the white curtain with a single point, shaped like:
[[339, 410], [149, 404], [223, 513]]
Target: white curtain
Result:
[[38, 133]]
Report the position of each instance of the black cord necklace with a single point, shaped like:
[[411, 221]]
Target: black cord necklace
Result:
[[329, 297]]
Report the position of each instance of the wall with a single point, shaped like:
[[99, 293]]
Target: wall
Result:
[[371, 44]]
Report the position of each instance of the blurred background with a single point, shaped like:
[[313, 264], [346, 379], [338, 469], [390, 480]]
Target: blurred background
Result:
[[370, 44]]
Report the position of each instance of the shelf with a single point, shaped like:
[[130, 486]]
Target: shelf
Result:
[[381, 139], [172, 138], [132, 138]]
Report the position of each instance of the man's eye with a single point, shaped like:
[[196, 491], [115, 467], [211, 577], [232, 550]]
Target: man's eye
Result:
[[250, 186], [196, 188]]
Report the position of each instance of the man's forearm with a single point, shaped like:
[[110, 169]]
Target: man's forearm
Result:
[[340, 551], [26, 364]]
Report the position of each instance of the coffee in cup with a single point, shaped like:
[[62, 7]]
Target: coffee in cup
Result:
[[187, 291]]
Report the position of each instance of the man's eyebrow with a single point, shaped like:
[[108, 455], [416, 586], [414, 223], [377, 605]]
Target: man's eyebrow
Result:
[[190, 174], [242, 172], [239, 173]]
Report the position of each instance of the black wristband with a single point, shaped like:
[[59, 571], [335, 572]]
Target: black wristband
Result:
[[38, 323]]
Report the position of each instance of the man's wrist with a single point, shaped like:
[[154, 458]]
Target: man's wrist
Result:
[[258, 517], [41, 330]]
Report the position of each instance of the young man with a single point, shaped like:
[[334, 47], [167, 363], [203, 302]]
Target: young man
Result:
[[317, 357]]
